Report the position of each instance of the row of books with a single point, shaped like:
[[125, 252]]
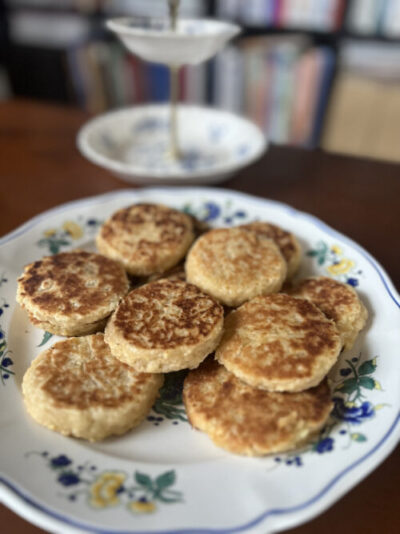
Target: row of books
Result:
[[103, 76], [319, 15], [282, 84], [375, 17]]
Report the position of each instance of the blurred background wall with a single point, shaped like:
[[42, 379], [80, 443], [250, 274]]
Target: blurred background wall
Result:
[[311, 73]]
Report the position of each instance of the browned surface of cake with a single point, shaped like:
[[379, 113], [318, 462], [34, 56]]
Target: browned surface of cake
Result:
[[279, 343], [234, 265], [146, 238], [249, 421], [165, 325], [339, 302], [70, 292], [286, 241], [78, 388]]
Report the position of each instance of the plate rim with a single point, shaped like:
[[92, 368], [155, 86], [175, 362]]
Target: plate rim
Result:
[[116, 24], [19, 501]]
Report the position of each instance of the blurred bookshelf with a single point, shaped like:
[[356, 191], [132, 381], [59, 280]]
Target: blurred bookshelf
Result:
[[311, 73]]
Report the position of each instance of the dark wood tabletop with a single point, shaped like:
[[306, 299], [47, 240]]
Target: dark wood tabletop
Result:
[[40, 167]]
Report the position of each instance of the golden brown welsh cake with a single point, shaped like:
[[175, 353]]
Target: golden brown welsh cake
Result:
[[77, 388], [279, 343], [71, 293], [146, 238], [165, 326], [286, 241], [250, 421], [234, 265], [339, 302]]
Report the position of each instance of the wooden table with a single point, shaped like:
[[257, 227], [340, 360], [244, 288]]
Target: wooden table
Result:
[[40, 167]]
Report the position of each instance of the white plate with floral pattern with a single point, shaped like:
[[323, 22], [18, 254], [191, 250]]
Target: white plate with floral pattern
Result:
[[134, 144], [164, 477]]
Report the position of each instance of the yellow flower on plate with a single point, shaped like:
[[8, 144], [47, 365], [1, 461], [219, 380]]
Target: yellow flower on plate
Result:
[[340, 268], [336, 250], [104, 490], [73, 229], [142, 507], [50, 232]]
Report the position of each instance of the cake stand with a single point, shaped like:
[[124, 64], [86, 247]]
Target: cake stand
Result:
[[172, 143]]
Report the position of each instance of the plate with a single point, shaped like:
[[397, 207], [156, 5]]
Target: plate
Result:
[[134, 144], [164, 477], [193, 41]]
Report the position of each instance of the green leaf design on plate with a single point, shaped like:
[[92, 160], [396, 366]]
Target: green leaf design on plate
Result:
[[367, 367], [358, 437], [175, 498], [367, 382], [110, 488], [348, 386], [46, 337], [320, 252], [165, 480], [143, 480]]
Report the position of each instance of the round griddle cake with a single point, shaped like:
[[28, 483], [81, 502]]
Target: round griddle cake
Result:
[[71, 293], [286, 241], [165, 326], [234, 265], [339, 302], [77, 388], [279, 343], [146, 238], [249, 421]]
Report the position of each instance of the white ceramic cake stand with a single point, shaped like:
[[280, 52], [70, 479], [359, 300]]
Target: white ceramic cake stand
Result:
[[133, 144], [172, 144], [193, 41]]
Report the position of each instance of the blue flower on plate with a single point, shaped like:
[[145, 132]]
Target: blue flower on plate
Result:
[[192, 160], [352, 282], [68, 479], [217, 132], [150, 124], [352, 414], [60, 461], [213, 211], [325, 445]]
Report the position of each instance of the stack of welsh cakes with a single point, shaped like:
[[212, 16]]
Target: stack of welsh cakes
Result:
[[168, 294]]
